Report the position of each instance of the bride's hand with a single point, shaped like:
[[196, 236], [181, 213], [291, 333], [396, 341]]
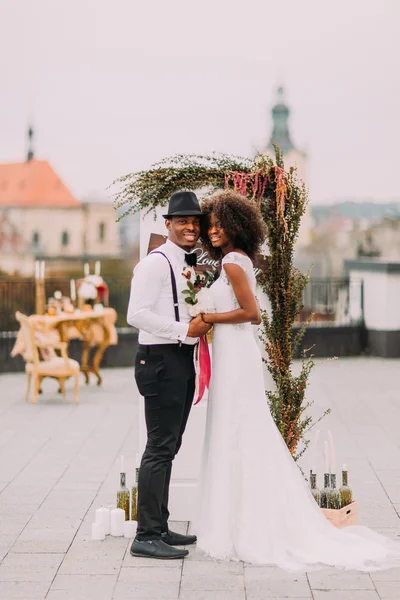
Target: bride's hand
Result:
[[197, 327]]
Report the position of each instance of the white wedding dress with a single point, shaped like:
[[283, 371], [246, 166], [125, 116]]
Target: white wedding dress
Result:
[[255, 505]]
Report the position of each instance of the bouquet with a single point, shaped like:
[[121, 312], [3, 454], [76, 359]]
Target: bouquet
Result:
[[198, 295], [200, 300], [93, 288]]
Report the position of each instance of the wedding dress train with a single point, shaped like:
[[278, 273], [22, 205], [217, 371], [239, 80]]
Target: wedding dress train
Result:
[[255, 505]]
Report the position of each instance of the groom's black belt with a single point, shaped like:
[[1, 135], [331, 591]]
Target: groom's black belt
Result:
[[165, 348]]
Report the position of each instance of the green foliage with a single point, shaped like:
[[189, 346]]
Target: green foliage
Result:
[[203, 280], [282, 200], [149, 189]]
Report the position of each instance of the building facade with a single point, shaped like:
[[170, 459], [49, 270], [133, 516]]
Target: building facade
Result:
[[41, 218]]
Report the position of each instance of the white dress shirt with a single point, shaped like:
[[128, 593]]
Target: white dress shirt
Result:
[[151, 304]]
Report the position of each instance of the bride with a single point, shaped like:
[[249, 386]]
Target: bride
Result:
[[255, 505]]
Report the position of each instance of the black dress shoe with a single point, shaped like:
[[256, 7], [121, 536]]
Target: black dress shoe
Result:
[[177, 539], [156, 549]]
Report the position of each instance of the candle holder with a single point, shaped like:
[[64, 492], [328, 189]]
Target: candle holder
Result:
[[40, 297], [40, 292]]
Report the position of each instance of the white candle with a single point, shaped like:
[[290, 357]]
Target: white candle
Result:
[[117, 521], [122, 470], [344, 468], [86, 269], [98, 531], [316, 440], [326, 455], [130, 529], [37, 269], [332, 452], [103, 517], [42, 269], [97, 267], [72, 288]]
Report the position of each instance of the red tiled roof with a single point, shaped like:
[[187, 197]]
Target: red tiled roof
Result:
[[33, 184]]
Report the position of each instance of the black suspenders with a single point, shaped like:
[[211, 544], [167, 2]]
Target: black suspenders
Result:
[[173, 284]]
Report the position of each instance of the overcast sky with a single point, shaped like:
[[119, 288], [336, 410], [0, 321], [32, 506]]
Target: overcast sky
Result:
[[112, 86]]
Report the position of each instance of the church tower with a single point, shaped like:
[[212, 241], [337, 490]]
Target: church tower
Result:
[[291, 155], [30, 154]]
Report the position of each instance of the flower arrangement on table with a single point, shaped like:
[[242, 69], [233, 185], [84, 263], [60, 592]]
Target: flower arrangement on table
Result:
[[92, 290], [200, 300]]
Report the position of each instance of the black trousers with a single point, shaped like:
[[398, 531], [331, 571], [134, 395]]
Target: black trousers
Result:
[[165, 376]]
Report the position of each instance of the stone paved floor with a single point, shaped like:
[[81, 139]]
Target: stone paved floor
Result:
[[58, 462]]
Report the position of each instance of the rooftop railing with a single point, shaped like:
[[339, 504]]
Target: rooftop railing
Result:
[[327, 301]]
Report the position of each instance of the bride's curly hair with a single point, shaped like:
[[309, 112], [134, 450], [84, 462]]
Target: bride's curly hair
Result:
[[239, 218]]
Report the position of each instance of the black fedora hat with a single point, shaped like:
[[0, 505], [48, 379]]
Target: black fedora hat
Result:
[[183, 204]]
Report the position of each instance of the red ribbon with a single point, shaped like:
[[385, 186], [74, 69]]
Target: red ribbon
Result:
[[203, 368]]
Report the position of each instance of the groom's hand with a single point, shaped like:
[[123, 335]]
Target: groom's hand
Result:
[[197, 327]]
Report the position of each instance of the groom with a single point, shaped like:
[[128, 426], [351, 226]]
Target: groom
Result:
[[164, 370]]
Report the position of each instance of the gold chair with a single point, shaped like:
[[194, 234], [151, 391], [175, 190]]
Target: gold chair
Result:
[[59, 367]]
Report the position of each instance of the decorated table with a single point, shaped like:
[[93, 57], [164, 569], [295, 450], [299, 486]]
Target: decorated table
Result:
[[96, 328]]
